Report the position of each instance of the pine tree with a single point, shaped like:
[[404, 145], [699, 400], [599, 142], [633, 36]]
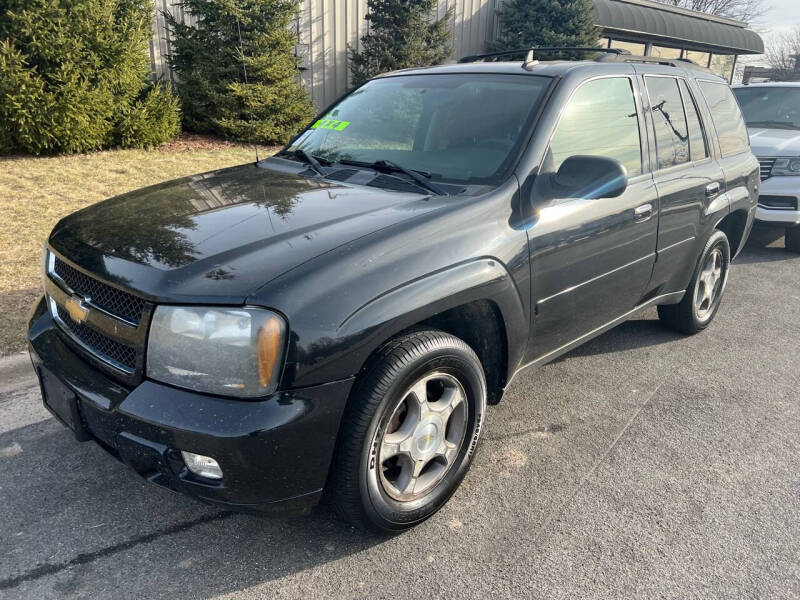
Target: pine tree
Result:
[[403, 33], [74, 77], [247, 91], [526, 23]]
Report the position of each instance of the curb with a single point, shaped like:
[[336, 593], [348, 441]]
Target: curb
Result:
[[16, 372]]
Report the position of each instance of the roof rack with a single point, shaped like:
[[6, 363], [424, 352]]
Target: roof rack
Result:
[[530, 51], [654, 60], [608, 55]]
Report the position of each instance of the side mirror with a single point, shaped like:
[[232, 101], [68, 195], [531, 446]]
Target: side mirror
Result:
[[590, 177]]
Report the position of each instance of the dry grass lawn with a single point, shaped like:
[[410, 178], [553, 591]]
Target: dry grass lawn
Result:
[[36, 192]]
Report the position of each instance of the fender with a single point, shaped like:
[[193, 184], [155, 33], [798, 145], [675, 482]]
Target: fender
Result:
[[402, 307]]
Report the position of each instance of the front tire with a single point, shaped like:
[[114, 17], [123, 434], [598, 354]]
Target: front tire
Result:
[[792, 239], [703, 296], [409, 432]]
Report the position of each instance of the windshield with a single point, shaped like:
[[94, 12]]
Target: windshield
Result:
[[459, 127], [775, 107]]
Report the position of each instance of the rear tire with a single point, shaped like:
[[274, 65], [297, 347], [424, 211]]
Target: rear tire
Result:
[[704, 294], [409, 432], [792, 239]]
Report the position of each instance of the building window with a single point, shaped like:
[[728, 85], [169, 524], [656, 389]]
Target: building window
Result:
[[632, 47], [664, 52], [701, 58], [722, 65]]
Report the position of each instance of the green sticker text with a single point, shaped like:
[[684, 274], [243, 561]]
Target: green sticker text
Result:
[[330, 124]]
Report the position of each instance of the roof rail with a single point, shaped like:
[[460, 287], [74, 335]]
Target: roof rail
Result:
[[529, 52], [655, 60]]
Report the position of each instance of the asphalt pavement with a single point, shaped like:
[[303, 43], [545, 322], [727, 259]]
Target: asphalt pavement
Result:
[[644, 464]]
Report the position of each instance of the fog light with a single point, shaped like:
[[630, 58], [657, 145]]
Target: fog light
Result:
[[204, 466]]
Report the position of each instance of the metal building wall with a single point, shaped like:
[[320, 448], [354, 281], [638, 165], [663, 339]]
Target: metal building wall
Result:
[[324, 30]]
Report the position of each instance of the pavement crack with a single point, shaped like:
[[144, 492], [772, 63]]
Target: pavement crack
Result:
[[558, 510], [46, 569]]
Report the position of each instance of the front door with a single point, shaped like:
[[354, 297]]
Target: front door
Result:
[[591, 260]]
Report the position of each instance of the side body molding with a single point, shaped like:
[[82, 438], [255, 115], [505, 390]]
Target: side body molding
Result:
[[480, 279]]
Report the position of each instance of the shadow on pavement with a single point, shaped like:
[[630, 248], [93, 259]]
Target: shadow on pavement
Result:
[[765, 244], [629, 335], [66, 505]]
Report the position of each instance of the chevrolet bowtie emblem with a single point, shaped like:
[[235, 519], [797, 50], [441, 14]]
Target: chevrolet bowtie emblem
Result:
[[77, 311]]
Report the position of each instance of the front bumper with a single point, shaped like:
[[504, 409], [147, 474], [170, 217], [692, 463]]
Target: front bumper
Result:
[[274, 453], [787, 188]]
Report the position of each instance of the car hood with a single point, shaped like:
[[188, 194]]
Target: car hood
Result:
[[220, 236], [774, 142]]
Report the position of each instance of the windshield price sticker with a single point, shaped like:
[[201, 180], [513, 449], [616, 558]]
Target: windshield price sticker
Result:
[[330, 124]]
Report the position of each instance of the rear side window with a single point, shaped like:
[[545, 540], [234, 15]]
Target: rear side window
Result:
[[669, 120], [600, 120], [698, 148], [726, 116]]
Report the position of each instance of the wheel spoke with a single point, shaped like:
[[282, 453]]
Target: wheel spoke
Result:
[[419, 393], [449, 401], [447, 450], [389, 448], [410, 476]]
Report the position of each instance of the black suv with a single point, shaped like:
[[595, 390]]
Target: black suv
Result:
[[335, 319]]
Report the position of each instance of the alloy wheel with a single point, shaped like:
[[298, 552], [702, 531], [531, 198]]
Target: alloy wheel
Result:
[[709, 284], [422, 438]]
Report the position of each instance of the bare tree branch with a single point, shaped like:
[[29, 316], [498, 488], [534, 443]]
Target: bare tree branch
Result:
[[782, 53], [741, 10]]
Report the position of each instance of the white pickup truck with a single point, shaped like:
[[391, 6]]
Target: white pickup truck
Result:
[[772, 114]]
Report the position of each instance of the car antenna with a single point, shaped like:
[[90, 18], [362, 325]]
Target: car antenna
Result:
[[244, 67]]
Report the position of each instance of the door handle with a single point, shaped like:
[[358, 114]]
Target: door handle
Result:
[[712, 189], [643, 212]]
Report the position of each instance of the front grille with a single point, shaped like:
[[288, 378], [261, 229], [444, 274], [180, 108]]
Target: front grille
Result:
[[778, 202], [765, 167], [98, 343], [110, 299]]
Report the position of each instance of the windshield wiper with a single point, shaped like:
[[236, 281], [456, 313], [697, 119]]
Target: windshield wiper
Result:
[[392, 167], [310, 159]]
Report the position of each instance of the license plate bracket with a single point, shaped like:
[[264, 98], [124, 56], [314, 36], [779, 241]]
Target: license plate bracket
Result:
[[63, 403]]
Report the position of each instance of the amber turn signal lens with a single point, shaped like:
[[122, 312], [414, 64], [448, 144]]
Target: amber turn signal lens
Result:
[[269, 349]]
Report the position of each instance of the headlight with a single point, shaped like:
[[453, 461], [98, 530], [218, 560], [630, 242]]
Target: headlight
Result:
[[786, 166], [229, 351]]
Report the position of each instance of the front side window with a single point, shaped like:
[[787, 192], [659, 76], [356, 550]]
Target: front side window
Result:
[[669, 121], [698, 148], [771, 107], [457, 127], [600, 120], [727, 117]]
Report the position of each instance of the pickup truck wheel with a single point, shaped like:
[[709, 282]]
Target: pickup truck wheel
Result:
[[792, 239], [409, 433], [704, 294]]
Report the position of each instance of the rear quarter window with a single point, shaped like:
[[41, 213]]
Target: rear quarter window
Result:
[[726, 116]]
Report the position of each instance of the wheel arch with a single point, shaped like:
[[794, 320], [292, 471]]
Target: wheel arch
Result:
[[736, 226], [477, 301]]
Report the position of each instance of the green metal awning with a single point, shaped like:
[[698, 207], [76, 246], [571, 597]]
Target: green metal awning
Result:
[[675, 26]]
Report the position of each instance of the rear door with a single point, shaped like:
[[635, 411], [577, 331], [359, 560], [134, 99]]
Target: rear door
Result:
[[689, 180], [740, 167], [591, 258]]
